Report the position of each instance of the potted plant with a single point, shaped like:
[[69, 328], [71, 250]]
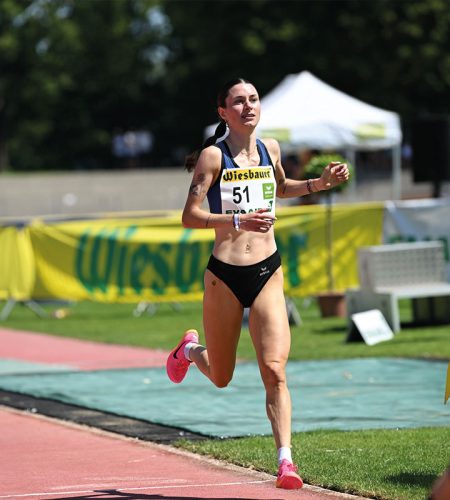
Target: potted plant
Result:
[[331, 303]]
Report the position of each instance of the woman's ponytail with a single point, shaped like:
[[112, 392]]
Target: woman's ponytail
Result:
[[191, 160]]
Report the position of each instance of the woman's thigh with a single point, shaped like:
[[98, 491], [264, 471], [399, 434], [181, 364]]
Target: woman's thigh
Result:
[[269, 324], [222, 320]]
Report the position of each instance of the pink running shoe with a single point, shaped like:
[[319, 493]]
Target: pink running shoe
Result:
[[177, 365], [287, 478]]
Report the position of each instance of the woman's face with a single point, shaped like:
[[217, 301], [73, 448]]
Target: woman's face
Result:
[[242, 106]]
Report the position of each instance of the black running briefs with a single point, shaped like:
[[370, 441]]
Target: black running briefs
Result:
[[246, 282]]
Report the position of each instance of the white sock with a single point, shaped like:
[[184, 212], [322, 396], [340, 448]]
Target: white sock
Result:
[[284, 453], [187, 348]]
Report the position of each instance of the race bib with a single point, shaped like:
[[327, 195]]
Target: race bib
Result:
[[245, 190]]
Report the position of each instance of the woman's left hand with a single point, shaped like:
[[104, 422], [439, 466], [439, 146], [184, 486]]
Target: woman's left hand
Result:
[[333, 174]]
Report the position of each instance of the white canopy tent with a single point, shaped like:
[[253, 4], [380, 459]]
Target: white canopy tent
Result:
[[304, 112]]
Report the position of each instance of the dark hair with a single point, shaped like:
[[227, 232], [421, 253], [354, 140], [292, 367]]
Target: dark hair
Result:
[[191, 160]]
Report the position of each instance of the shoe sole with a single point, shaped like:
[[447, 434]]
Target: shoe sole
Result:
[[289, 483]]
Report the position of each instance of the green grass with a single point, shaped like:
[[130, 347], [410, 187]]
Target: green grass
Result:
[[383, 464], [316, 338]]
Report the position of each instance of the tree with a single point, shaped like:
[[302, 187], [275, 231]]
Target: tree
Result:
[[72, 72], [391, 53], [22, 38]]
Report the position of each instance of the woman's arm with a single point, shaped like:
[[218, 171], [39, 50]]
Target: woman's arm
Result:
[[333, 174], [205, 173]]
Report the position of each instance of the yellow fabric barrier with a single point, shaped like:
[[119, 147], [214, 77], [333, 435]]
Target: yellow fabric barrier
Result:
[[301, 234], [17, 265], [120, 260], [156, 259]]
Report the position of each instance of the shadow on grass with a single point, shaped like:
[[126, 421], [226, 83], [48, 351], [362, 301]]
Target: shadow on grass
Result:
[[330, 329], [412, 479], [414, 340], [417, 325]]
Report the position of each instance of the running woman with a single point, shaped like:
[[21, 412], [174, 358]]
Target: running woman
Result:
[[241, 176]]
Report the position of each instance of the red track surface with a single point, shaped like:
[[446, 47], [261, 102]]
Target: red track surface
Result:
[[46, 459], [79, 354]]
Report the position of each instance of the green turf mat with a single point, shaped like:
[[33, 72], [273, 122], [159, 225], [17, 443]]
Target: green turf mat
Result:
[[344, 394], [14, 366]]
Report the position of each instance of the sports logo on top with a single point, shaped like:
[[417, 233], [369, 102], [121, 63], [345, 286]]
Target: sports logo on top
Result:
[[268, 190]]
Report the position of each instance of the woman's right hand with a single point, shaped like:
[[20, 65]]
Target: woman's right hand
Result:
[[259, 221]]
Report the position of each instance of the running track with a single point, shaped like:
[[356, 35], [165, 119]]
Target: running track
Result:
[[44, 458]]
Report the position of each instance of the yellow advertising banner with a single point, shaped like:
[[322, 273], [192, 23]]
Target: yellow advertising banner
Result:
[[156, 259], [120, 260], [319, 246], [17, 265]]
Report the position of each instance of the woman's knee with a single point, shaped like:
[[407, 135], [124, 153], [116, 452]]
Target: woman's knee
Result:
[[221, 380], [273, 374]]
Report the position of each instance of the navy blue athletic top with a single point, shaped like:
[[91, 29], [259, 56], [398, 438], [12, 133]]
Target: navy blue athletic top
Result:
[[243, 189]]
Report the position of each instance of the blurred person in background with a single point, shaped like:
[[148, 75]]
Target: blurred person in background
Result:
[[291, 166], [241, 176]]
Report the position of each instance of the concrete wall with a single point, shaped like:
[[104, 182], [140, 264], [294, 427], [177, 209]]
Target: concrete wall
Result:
[[84, 192], [75, 193]]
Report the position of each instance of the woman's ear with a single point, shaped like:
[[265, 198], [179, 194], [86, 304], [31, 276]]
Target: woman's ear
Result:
[[221, 112]]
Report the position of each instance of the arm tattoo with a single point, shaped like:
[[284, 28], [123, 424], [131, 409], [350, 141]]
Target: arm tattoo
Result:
[[194, 189], [197, 185]]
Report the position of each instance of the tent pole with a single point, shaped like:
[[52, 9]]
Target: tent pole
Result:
[[351, 157], [397, 172]]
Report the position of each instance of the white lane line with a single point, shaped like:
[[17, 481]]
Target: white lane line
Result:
[[110, 480], [124, 489]]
